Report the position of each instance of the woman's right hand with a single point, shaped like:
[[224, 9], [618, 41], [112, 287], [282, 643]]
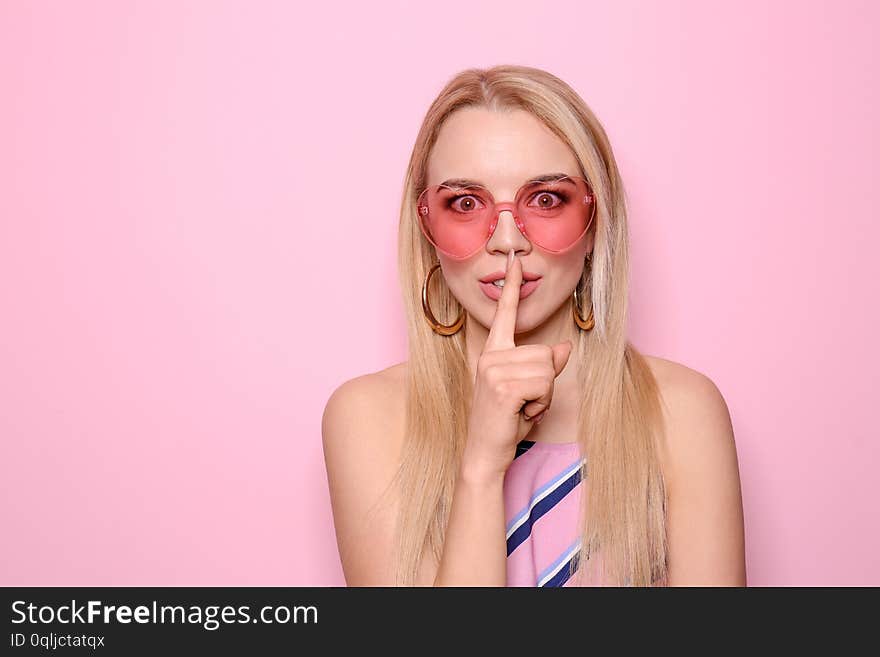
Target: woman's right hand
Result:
[[513, 387]]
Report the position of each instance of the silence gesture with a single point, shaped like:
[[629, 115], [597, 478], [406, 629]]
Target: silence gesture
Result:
[[514, 385]]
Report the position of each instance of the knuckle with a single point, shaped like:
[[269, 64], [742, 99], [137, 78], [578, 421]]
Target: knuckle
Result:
[[487, 365], [490, 374], [502, 387]]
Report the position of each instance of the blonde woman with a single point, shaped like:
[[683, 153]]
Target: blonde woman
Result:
[[526, 442]]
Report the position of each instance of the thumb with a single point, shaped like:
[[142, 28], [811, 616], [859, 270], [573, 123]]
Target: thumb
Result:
[[561, 352]]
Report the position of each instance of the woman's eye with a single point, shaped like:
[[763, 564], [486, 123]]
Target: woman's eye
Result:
[[465, 203], [548, 200]]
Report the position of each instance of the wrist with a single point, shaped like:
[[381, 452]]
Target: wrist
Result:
[[480, 473]]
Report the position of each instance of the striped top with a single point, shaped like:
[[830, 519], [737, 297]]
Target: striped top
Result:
[[542, 489]]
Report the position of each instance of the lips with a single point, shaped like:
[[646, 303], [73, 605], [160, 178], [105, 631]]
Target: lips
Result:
[[494, 292], [495, 275]]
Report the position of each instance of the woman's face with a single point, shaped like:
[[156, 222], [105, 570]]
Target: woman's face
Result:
[[502, 151]]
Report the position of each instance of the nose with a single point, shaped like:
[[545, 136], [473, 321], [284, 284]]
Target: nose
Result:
[[507, 236]]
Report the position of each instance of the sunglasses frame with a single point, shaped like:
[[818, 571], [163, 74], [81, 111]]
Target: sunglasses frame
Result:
[[422, 210]]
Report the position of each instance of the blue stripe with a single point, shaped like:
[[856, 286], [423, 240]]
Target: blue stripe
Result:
[[524, 530], [520, 517], [549, 569], [523, 447], [564, 573]]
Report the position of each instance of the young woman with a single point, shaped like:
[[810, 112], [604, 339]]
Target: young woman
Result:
[[526, 442]]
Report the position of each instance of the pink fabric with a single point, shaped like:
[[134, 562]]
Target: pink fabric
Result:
[[538, 486]]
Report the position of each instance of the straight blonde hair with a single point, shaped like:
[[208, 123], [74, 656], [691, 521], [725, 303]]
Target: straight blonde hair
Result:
[[623, 505]]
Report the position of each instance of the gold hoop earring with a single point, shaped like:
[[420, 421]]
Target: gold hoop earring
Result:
[[588, 323], [437, 327]]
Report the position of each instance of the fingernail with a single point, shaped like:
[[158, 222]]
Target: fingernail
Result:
[[540, 417], [509, 258]]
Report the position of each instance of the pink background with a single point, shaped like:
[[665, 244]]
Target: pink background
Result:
[[185, 274]]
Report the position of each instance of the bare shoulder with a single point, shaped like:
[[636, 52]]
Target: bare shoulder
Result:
[[700, 467], [687, 392], [376, 397], [363, 418], [695, 412], [362, 431]]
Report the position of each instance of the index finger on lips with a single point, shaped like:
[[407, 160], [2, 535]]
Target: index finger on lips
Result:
[[503, 324]]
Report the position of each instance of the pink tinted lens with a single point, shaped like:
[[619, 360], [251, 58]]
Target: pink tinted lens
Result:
[[456, 221], [552, 215], [555, 215]]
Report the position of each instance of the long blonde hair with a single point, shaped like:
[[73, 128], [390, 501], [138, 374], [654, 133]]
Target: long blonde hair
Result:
[[622, 517]]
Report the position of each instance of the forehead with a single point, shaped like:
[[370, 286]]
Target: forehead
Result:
[[499, 149]]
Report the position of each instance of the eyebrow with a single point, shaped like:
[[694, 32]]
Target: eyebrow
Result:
[[467, 182]]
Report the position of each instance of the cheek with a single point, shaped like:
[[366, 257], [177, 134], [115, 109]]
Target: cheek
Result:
[[457, 276], [568, 270], [459, 288]]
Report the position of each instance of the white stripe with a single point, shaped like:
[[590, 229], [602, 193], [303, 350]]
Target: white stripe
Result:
[[528, 511], [564, 564]]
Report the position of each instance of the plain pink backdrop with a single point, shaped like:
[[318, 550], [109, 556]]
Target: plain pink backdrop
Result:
[[198, 221]]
